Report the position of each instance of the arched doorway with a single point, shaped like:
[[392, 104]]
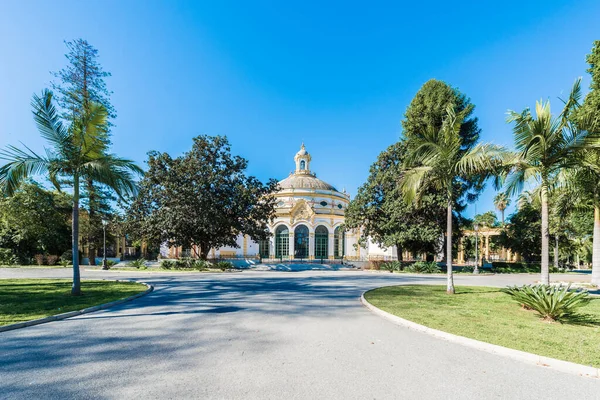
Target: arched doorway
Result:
[[282, 242], [339, 242], [321, 242], [301, 242]]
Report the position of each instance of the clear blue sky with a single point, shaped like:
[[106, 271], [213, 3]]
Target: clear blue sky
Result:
[[336, 75]]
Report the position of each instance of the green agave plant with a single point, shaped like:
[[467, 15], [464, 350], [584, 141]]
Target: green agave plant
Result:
[[552, 303]]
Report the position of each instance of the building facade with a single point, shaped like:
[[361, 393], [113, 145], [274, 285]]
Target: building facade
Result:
[[308, 224]]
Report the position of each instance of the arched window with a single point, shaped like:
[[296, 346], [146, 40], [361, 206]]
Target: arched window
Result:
[[301, 242], [302, 165], [282, 242], [339, 242], [321, 242]]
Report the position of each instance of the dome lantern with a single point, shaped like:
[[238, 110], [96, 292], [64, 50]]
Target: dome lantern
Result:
[[302, 159]]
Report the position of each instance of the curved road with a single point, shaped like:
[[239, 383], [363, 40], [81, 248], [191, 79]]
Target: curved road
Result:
[[260, 335]]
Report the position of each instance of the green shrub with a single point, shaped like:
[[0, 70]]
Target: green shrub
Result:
[[64, 263], [110, 263], [391, 266], [139, 263], [168, 264], [185, 263], [202, 265], [224, 265], [422, 267], [67, 256], [7, 257], [552, 303]]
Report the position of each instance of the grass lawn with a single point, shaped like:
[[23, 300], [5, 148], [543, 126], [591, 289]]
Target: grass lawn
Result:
[[486, 314], [26, 299]]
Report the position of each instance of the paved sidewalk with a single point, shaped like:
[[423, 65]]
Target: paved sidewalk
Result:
[[260, 335]]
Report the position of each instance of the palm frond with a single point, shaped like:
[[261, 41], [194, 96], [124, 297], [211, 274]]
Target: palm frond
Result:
[[48, 122], [20, 166]]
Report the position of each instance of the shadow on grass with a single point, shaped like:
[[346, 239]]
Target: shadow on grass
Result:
[[581, 320]]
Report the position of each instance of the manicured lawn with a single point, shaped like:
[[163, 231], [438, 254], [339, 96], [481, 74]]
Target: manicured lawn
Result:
[[486, 314], [26, 299]]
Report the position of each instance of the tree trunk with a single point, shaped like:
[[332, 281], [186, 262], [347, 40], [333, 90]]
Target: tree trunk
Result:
[[450, 284], [502, 212], [596, 248], [89, 186], [545, 278], [76, 288], [556, 252], [399, 252]]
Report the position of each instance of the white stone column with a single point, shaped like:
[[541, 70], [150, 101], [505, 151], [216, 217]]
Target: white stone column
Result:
[[292, 253], [311, 246], [330, 248]]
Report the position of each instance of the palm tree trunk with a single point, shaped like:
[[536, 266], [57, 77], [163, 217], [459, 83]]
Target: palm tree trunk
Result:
[[596, 248], [76, 288], [556, 252], [450, 284], [545, 236]]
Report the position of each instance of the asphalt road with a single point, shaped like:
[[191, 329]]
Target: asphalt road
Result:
[[260, 335]]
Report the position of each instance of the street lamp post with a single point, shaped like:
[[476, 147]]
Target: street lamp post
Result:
[[476, 269], [104, 223]]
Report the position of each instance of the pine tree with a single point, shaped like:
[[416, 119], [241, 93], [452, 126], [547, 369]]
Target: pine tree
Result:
[[81, 82]]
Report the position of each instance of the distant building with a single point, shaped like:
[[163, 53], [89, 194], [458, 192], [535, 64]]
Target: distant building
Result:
[[308, 224]]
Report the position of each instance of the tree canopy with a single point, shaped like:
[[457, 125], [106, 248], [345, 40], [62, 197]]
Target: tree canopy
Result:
[[203, 198], [35, 221], [380, 210]]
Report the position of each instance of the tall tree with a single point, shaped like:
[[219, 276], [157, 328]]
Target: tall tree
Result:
[[501, 201], [428, 110], [438, 159], [545, 147], [487, 219], [523, 234], [77, 151], [20, 216], [203, 199], [80, 84], [590, 109], [380, 210]]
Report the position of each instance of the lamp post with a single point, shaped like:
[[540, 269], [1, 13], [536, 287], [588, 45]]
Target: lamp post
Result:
[[476, 269], [104, 223]]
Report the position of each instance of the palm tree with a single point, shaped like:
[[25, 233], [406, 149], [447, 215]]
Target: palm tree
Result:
[[438, 160], [582, 191], [501, 201], [77, 152], [545, 148]]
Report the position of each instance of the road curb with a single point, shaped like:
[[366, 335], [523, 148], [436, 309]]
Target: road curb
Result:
[[529, 358], [75, 313]]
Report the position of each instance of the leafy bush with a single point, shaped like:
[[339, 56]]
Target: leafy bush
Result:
[[553, 303], [7, 257], [391, 266], [519, 268], [39, 259], [51, 259], [110, 263], [201, 265], [422, 267], [67, 256], [139, 263], [64, 263], [168, 264], [224, 265], [185, 263]]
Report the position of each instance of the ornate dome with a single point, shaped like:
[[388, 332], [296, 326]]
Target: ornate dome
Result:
[[304, 181]]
